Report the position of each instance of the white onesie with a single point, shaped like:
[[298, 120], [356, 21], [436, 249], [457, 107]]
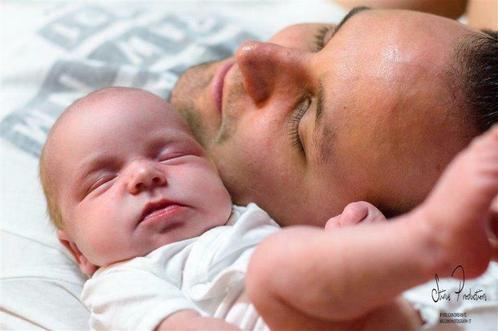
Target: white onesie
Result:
[[205, 274]]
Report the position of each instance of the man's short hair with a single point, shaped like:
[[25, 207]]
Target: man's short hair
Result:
[[476, 59]]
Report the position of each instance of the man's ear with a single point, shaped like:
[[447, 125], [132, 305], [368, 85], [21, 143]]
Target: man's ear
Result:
[[85, 266]]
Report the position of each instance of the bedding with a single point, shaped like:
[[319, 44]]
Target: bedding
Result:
[[55, 52]]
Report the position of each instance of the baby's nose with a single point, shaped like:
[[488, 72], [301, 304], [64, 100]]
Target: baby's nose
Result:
[[145, 175]]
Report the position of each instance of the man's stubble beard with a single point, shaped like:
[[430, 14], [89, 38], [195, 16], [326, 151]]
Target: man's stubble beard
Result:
[[232, 108], [186, 94]]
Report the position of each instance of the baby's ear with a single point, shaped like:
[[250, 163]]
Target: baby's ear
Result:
[[85, 266]]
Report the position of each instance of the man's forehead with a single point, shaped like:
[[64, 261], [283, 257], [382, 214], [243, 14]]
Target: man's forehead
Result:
[[404, 62], [390, 43]]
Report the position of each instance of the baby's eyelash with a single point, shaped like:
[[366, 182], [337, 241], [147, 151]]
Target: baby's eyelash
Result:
[[104, 180], [319, 39]]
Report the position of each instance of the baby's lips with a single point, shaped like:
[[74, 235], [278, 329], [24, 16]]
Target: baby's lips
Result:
[[153, 206]]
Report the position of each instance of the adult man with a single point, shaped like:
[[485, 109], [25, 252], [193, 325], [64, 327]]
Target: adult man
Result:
[[320, 116]]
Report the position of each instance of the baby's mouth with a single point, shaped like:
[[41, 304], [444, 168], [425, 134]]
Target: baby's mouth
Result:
[[159, 209]]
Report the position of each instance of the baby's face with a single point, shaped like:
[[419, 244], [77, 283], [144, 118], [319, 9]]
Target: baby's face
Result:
[[129, 178]]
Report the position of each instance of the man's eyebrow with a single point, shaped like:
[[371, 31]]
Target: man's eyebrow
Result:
[[323, 153], [319, 103], [351, 13]]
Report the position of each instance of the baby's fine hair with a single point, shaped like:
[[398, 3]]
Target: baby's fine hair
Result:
[[47, 182], [48, 186]]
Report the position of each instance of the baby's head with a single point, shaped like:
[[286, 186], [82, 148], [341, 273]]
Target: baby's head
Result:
[[123, 175]]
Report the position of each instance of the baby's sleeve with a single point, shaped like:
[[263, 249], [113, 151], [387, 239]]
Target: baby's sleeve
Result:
[[127, 298]]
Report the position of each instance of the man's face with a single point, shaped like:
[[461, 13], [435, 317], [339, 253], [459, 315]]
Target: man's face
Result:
[[316, 118], [130, 177]]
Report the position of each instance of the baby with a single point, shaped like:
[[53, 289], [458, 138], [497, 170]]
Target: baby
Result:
[[142, 209]]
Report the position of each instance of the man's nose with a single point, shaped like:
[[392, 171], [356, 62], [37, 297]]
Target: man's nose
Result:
[[144, 175], [267, 67]]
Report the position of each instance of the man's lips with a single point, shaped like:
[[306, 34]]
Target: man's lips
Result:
[[219, 82], [160, 210]]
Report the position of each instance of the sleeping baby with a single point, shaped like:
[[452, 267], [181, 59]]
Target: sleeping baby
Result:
[[143, 211]]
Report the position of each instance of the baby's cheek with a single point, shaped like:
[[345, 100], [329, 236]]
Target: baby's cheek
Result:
[[103, 237], [106, 247]]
